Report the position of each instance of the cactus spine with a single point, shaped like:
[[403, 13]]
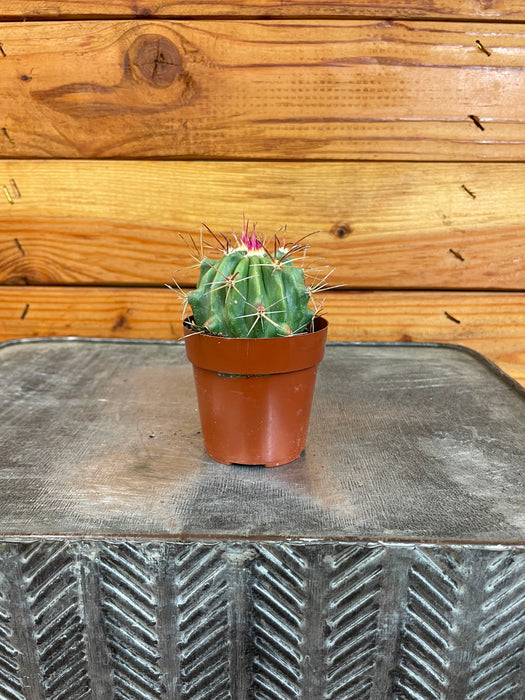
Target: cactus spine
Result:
[[252, 292]]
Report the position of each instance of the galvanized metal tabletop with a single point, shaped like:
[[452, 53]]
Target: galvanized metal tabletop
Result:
[[406, 442], [388, 561]]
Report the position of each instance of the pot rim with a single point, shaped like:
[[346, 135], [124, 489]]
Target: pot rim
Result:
[[243, 356]]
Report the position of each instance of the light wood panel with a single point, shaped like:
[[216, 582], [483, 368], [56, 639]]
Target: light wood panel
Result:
[[384, 225], [493, 324], [277, 89], [467, 9]]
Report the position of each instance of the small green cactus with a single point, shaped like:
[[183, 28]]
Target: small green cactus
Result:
[[253, 290]]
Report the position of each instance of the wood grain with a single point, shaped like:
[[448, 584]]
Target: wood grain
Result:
[[384, 225], [491, 323], [458, 9], [269, 90]]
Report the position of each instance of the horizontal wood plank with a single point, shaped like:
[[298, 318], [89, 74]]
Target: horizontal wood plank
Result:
[[458, 9], [493, 324], [268, 90], [383, 225]]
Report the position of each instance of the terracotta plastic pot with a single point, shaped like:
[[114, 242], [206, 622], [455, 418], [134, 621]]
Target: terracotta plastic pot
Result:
[[255, 394]]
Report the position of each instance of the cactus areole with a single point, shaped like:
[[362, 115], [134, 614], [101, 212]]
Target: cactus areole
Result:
[[253, 290]]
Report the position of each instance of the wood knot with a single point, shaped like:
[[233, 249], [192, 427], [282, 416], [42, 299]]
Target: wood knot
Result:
[[341, 230], [157, 59], [141, 11]]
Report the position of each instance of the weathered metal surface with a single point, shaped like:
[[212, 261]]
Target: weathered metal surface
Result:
[[387, 563], [406, 442], [265, 619]]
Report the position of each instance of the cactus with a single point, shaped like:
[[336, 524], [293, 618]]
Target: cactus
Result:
[[252, 291]]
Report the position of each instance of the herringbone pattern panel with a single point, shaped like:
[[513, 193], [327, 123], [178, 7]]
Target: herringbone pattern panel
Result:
[[201, 613], [53, 598], [128, 583], [499, 664], [287, 620], [427, 634], [10, 682], [352, 622], [279, 622]]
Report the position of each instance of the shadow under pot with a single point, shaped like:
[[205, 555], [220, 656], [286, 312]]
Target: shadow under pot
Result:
[[255, 394]]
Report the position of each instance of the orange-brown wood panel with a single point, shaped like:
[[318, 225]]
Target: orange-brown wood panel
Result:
[[384, 225], [466, 9], [491, 323], [305, 89]]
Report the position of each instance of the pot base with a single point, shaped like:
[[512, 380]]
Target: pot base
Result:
[[263, 465]]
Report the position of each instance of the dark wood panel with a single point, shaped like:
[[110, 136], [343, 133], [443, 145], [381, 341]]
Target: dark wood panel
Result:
[[278, 90], [383, 225]]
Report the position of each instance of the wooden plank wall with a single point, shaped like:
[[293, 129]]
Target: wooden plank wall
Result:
[[397, 128]]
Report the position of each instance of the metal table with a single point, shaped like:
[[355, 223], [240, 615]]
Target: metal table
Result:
[[387, 562]]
